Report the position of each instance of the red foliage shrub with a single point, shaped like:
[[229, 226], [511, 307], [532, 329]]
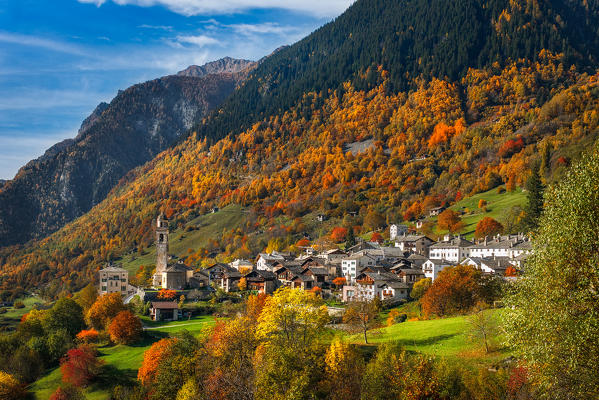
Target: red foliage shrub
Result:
[[377, 237], [303, 243], [80, 366], [339, 281], [511, 147], [167, 294], [517, 381]]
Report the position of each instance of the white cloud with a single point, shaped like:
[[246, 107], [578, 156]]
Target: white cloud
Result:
[[265, 28], [198, 40], [35, 41], [320, 8], [157, 27], [48, 99], [16, 151]]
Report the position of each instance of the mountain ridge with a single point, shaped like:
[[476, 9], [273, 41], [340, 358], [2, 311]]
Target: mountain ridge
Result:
[[75, 174]]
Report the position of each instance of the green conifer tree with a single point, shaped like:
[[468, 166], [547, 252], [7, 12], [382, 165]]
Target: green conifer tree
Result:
[[350, 239], [534, 207]]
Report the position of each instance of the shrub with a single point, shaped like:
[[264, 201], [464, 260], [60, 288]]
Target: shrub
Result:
[[87, 336], [67, 392], [10, 387], [80, 366], [19, 304], [166, 294]]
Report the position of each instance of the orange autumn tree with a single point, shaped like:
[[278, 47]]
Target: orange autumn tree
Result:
[[104, 309], [338, 234], [167, 294], [455, 290], [125, 328], [152, 358], [303, 243], [487, 227], [443, 132], [450, 220]]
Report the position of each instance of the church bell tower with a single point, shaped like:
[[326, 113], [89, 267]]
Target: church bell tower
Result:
[[161, 248]]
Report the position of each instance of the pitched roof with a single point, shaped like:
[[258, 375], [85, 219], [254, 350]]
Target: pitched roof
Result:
[[439, 262], [452, 244], [395, 284], [165, 305], [261, 273], [411, 238], [317, 270], [303, 278], [178, 267], [112, 268]]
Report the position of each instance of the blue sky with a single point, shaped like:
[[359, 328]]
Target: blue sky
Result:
[[60, 58]]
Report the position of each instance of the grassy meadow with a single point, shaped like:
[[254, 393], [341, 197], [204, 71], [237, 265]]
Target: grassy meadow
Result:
[[121, 362]]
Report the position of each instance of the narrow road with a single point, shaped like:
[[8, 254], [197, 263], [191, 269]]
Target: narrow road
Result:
[[173, 326]]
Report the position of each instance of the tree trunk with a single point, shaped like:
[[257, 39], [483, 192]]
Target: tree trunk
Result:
[[365, 337]]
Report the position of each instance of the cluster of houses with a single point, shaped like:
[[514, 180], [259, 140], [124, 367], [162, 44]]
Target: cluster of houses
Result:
[[367, 270]]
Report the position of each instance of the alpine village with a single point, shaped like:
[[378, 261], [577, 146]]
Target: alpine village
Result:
[[404, 204]]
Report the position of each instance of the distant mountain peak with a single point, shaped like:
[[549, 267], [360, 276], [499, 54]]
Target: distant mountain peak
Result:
[[224, 65]]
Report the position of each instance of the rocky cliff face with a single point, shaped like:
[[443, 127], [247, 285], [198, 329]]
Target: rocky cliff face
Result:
[[76, 174], [226, 64]]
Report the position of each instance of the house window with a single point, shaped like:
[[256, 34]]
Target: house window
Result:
[[123, 288], [103, 288]]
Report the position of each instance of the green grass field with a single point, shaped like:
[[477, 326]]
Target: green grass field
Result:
[[445, 337], [12, 317], [497, 205], [121, 362]]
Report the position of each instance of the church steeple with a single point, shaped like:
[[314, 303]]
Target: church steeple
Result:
[[161, 243]]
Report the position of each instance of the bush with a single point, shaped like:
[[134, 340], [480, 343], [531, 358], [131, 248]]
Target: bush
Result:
[[80, 366], [10, 387], [19, 304], [67, 392], [88, 336]]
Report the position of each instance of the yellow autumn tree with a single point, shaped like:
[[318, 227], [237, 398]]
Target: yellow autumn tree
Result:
[[292, 316], [343, 371]]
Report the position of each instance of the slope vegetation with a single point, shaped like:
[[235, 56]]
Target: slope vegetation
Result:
[[277, 147]]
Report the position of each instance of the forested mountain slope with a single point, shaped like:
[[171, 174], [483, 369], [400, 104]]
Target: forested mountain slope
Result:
[[76, 174], [444, 99]]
